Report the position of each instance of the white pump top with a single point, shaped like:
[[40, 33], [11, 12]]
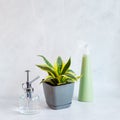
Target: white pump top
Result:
[[86, 50], [83, 46]]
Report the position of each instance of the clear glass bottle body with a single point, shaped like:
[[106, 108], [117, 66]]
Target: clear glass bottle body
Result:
[[29, 105]]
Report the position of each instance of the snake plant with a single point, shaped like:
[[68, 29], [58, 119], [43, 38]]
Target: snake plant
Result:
[[59, 73]]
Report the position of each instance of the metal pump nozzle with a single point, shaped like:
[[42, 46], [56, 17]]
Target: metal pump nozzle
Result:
[[28, 87]]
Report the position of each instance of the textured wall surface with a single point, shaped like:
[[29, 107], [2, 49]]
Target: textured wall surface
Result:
[[57, 27]]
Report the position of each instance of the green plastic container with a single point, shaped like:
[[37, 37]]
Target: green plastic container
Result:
[[86, 82]]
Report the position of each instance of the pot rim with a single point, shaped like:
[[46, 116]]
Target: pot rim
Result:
[[58, 85]]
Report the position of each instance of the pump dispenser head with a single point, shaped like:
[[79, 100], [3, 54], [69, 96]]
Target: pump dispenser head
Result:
[[86, 50], [28, 88]]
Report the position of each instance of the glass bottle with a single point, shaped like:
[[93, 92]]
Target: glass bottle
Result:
[[29, 103]]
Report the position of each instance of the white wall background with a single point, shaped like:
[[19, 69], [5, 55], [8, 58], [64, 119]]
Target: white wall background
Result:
[[57, 27]]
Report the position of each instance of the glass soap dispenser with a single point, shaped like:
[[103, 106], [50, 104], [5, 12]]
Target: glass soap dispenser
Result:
[[29, 103]]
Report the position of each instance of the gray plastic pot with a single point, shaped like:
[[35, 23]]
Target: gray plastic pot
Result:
[[58, 97]]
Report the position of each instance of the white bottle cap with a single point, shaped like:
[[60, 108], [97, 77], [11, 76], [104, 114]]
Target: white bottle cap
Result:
[[83, 46], [86, 50]]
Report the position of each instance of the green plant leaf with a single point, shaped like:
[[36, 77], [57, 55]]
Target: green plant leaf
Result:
[[49, 77], [67, 65], [59, 65], [49, 73], [68, 80], [48, 69], [42, 81], [68, 75], [49, 81], [46, 61], [55, 81], [70, 71], [79, 77]]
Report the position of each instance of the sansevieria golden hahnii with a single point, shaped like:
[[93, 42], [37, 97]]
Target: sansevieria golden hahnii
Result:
[[59, 73]]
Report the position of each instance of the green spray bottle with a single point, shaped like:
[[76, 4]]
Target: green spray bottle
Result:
[[86, 82]]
